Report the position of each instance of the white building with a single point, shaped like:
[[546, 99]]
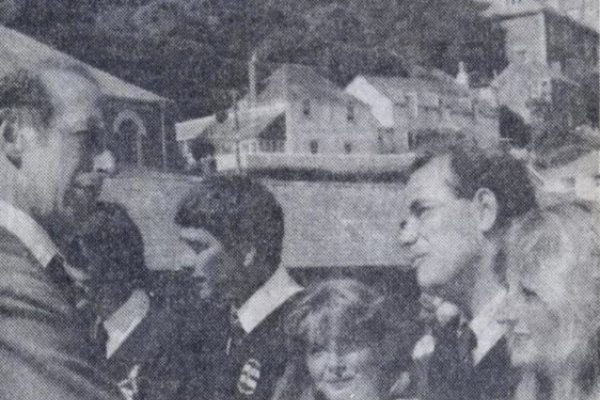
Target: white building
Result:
[[408, 107]]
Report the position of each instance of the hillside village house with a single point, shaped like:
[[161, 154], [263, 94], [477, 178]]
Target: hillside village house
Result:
[[408, 108], [300, 113], [524, 82], [140, 131], [550, 31], [297, 112]]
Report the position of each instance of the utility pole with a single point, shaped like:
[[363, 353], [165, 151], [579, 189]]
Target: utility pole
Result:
[[236, 125]]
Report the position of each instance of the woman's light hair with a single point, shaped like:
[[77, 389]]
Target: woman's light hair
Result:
[[327, 311], [566, 236]]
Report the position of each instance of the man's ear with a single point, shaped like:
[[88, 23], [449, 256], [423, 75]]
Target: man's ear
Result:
[[486, 207], [250, 257]]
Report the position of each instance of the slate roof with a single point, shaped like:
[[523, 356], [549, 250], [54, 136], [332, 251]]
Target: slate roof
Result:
[[21, 51], [531, 70]]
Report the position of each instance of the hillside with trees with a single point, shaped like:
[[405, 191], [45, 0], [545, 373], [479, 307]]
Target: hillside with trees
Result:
[[196, 52]]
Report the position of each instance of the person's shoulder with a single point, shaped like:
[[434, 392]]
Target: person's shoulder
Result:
[[11, 246]]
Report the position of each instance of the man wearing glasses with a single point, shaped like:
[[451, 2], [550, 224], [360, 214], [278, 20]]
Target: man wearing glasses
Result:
[[49, 142]]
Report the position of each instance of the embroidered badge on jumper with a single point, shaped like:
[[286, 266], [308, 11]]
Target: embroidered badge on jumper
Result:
[[129, 387], [249, 377]]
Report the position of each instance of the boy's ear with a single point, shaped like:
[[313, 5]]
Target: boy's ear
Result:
[[250, 257], [486, 206]]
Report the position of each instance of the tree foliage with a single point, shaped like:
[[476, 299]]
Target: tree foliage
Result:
[[196, 51]]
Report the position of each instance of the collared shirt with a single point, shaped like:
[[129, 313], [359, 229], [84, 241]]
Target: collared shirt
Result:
[[277, 290], [485, 326], [124, 321], [29, 232]]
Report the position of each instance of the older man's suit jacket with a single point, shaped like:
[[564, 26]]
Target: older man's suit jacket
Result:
[[40, 346]]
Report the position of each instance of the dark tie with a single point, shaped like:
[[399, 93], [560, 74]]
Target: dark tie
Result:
[[451, 366]]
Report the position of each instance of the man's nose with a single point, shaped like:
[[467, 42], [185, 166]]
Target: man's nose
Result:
[[105, 163], [408, 232]]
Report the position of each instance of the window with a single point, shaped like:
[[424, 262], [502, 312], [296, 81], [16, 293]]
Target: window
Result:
[[314, 146], [348, 147], [306, 107], [350, 112], [412, 140], [545, 90]]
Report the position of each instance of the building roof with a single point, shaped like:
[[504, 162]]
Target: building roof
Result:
[[301, 81], [588, 12], [533, 71], [188, 130], [396, 88], [19, 51], [289, 81]]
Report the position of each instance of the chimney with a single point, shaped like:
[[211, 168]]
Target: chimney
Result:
[[252, 80], [462, 78]]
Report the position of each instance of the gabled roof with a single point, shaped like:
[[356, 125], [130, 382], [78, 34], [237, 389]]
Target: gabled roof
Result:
[[19, 51], [188, 130], [533, 71], [241, 124], [300, 82]]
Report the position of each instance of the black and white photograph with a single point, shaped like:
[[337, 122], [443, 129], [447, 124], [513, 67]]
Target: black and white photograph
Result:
[[299, 200]]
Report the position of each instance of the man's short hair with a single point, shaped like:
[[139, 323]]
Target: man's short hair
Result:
[[25, 88], [237, 211], [474, 168]]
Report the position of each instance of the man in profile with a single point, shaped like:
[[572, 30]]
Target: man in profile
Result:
[[50, 122], [460, 202], [231, 231]]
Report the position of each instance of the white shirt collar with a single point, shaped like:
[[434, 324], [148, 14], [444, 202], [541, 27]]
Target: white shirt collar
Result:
[[124, 321], [276, 291], [29, 232], [486, 327]]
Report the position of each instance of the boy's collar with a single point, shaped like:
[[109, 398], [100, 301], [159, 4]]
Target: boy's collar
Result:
[[277, 290], [125, 319]]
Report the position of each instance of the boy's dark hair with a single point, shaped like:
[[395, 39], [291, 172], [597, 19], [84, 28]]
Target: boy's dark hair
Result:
[[237, 211], [475, 168]]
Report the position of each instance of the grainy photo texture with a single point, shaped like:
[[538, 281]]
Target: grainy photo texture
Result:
[[299, 200]]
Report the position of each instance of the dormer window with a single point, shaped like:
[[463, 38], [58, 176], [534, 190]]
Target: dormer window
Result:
[[306, 107], [350, 112]]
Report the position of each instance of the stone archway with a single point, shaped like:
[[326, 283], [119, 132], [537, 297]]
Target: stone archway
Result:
[[128, 130]]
